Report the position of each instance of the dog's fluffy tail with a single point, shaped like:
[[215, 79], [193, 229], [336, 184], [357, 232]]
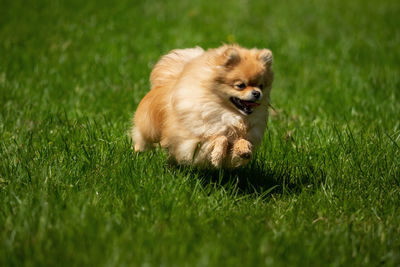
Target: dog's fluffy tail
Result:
[[170, 66]]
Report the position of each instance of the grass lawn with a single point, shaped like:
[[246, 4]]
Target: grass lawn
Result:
[[323, 189]]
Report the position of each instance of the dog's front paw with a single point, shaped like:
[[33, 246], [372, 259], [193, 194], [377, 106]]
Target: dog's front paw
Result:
[[237, 161], [242, 148], [241, 153], [218, 153]]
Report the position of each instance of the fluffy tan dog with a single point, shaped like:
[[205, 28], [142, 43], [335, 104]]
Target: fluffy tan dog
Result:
[[208, 108]]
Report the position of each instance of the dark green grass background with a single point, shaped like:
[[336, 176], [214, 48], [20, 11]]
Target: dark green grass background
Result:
[[323, 189]]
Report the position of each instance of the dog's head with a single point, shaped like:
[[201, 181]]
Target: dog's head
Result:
[[244, 77]]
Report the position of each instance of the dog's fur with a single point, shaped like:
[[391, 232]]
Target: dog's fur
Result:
[[190, 110]]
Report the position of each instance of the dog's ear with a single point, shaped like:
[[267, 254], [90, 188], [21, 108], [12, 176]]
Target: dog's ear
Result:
[[265, 56], [231, 57]]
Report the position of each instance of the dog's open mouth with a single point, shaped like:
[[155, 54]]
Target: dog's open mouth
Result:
[[244, 105]]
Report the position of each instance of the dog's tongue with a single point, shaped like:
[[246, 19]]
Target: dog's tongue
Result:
[[250, 104]]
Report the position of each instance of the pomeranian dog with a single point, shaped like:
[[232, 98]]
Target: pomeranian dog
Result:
[[207, 108]]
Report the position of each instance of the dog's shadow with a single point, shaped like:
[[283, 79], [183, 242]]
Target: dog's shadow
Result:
[[252, 179]]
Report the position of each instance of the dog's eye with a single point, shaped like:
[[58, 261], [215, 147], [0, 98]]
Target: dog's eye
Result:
[[261, 86], [241, 86]]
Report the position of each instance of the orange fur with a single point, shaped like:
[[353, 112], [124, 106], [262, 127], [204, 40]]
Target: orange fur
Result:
[[203, 105]]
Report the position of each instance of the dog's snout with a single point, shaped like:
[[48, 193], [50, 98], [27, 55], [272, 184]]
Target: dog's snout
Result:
[[256, 94]]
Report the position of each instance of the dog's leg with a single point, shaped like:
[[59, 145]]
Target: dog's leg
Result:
[[139, 141], [183, 149], [220, 146], [241, 152]]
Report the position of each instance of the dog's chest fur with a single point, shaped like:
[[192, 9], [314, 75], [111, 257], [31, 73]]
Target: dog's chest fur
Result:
[[207, 120]]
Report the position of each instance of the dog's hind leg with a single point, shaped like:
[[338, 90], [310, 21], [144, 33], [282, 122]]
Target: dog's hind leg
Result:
[[140, 143]]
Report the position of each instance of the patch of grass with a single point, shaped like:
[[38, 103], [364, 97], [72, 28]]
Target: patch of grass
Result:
[[323, 189]]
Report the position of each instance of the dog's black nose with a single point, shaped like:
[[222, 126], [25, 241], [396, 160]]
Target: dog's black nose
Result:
[[256, 94]]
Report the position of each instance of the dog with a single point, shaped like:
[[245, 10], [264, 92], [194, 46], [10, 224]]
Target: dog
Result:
[[207, 108]]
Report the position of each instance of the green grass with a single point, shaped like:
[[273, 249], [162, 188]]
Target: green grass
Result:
[[323, 189]]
